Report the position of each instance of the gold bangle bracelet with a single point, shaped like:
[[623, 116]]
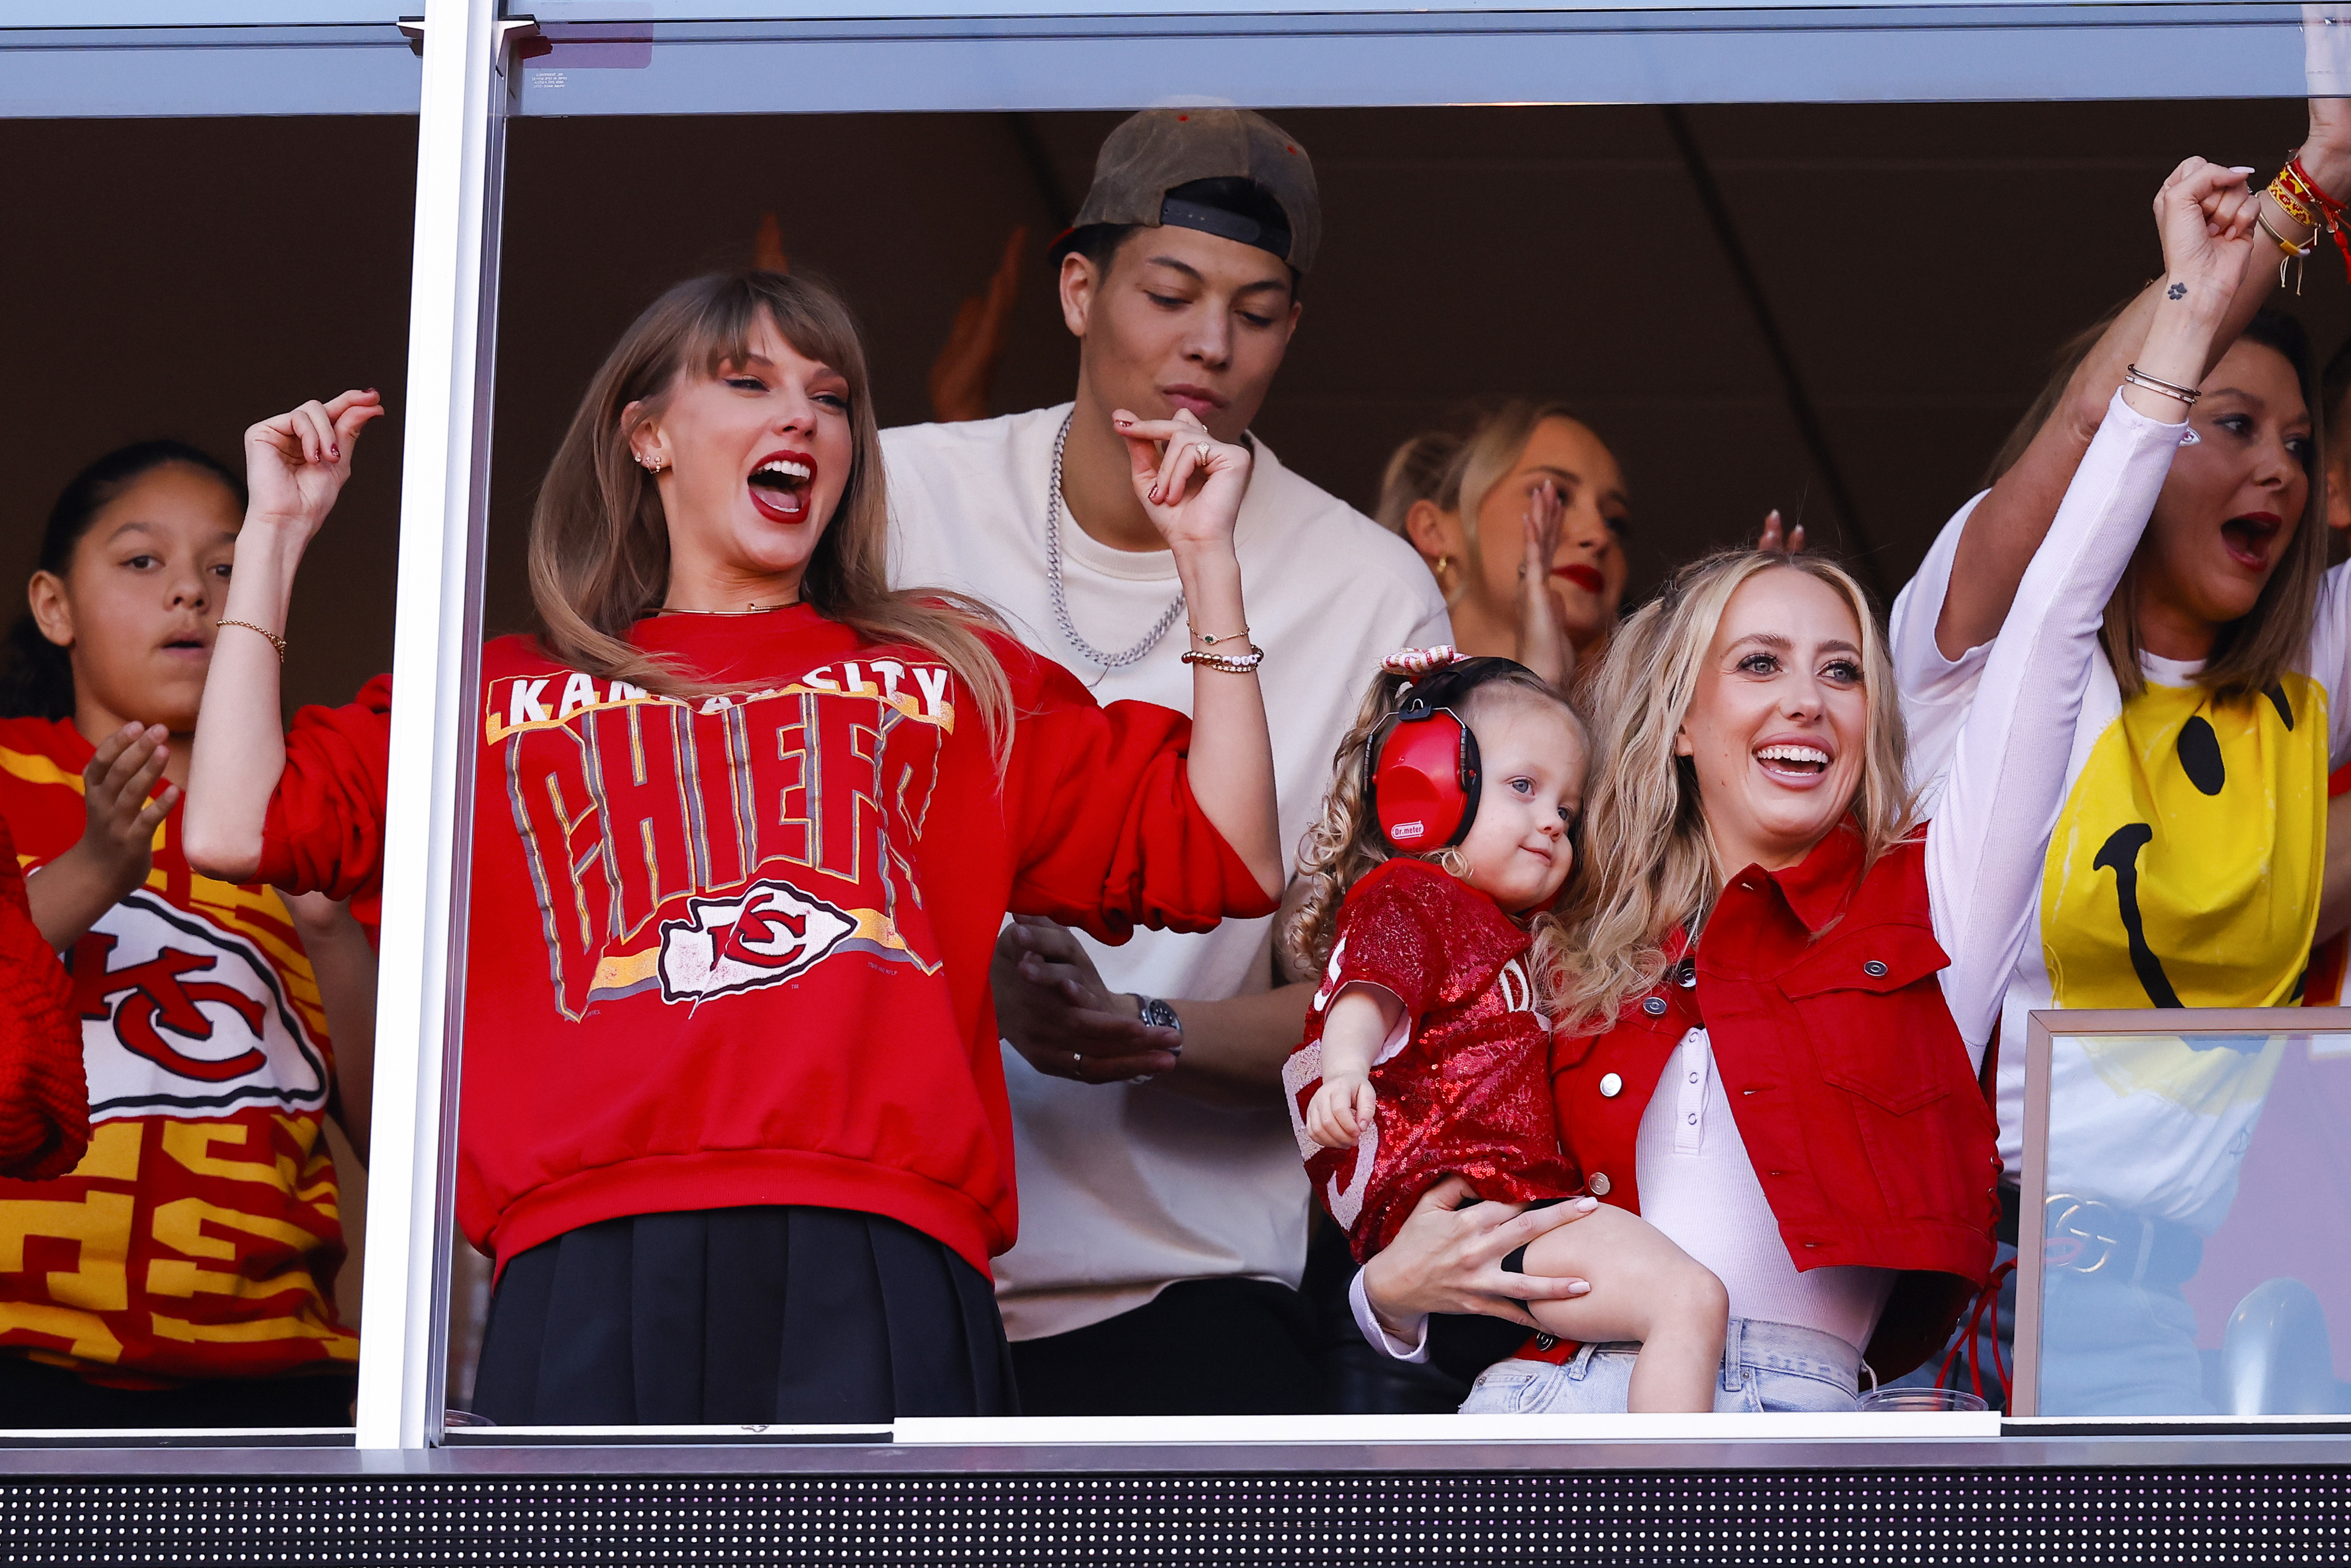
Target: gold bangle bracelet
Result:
[[275, 640], [2136, 377], [2284, 243]]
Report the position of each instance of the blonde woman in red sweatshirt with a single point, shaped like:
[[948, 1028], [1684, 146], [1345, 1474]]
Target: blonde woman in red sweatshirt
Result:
[[745, 825]]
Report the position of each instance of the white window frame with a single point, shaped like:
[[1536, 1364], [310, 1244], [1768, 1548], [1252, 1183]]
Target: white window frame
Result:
[[469, 93]]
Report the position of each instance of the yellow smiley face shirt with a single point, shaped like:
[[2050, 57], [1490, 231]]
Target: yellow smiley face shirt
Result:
[[2185, 868], [2183, 871]]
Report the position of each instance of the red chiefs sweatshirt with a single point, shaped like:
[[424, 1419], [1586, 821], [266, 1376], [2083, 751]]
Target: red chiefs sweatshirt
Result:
[[735, 951]]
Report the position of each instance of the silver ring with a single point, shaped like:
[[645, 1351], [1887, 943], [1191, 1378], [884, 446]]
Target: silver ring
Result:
[[1077, 1060], [1202, 451]]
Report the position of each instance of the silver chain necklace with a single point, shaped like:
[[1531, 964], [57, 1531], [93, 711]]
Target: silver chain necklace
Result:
[[1092, 654]]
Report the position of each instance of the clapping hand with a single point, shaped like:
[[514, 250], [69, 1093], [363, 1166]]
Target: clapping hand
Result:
[[116, 845], [1543, 646], [119, 821]]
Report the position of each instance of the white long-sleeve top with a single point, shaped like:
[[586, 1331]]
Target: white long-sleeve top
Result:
[[2225, 886], [1985, 846]]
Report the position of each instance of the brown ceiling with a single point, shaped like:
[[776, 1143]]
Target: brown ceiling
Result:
[[1919, 261]]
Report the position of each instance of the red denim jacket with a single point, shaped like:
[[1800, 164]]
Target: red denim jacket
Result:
[[1867, 1127]]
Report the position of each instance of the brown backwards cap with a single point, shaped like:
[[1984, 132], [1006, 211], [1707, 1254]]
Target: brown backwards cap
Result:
[[1160, 148]]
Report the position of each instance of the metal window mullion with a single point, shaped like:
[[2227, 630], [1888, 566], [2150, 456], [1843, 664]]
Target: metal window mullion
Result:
[[435, 658]]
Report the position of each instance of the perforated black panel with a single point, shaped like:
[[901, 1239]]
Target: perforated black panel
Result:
[[1967, 1519]]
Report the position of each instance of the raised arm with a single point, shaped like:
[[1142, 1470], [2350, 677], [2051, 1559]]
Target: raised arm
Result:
[[296, 465], [1191, 483], [2008, 526], [1991, 831]]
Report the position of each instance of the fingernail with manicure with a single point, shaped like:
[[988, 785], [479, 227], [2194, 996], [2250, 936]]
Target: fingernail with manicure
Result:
[[1586, 1205], [1578, 1288]]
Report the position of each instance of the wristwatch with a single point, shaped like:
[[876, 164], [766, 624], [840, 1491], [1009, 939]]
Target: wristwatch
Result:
[[1159, 1015]]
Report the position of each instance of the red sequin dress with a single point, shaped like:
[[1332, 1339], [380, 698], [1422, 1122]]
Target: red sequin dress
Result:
[[1464, 1084]]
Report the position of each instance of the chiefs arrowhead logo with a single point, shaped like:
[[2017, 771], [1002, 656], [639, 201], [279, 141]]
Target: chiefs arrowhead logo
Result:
[[180, 1015], [764, 936]]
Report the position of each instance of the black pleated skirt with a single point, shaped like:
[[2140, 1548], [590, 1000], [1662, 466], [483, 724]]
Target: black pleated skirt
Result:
[[732, 1316]]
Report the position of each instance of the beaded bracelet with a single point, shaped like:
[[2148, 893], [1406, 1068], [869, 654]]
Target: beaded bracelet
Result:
[[1230, 663]]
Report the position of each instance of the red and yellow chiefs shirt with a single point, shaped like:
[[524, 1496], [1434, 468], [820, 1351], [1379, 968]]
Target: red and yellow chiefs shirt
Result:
[[198, 1238]]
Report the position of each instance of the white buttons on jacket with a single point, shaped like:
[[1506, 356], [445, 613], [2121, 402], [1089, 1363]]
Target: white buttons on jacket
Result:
[[1611, 1086], [1599, 1184]]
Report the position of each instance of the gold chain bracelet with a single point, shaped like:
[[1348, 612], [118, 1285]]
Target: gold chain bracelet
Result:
[[275, 640]]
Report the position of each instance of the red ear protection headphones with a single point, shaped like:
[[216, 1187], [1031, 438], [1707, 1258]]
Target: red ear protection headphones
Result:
[[1421, 765]]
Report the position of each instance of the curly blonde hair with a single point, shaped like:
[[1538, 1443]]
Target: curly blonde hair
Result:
[[1346, 844], [1653, 869]]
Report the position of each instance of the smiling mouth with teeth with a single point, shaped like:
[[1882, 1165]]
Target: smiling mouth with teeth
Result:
[[780, 484], [1803, 760]]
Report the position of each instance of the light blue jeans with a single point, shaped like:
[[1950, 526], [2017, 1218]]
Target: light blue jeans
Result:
[[2111, 1348], [1765, 1366]]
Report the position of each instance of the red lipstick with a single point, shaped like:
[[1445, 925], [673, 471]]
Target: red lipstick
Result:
[[780, 484]]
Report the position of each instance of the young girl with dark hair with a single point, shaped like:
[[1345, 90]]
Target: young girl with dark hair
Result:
[[182, 1272], [1428, 913], [746, 824]]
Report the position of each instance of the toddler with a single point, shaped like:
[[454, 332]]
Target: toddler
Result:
[[1445, 842]]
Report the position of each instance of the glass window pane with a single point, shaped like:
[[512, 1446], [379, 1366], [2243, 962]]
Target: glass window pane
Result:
[[1376, 56], [86, 68], [2196, 1225], [179, 280], [1740, 351]]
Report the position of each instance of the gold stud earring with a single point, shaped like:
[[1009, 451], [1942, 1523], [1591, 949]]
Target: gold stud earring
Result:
[[1442, 562]]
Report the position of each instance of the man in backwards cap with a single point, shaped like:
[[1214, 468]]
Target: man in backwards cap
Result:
[[1163, 1208]]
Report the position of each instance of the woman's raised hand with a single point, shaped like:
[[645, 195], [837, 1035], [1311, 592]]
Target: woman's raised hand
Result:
[[296, 463], [1190, 483], [1543, 646], [2205, 214]]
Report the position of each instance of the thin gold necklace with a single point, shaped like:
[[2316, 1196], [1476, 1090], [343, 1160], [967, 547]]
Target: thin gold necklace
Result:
[[746, 610]]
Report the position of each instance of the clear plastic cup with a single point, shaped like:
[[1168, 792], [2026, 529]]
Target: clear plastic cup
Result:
[[1922, 1400]]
